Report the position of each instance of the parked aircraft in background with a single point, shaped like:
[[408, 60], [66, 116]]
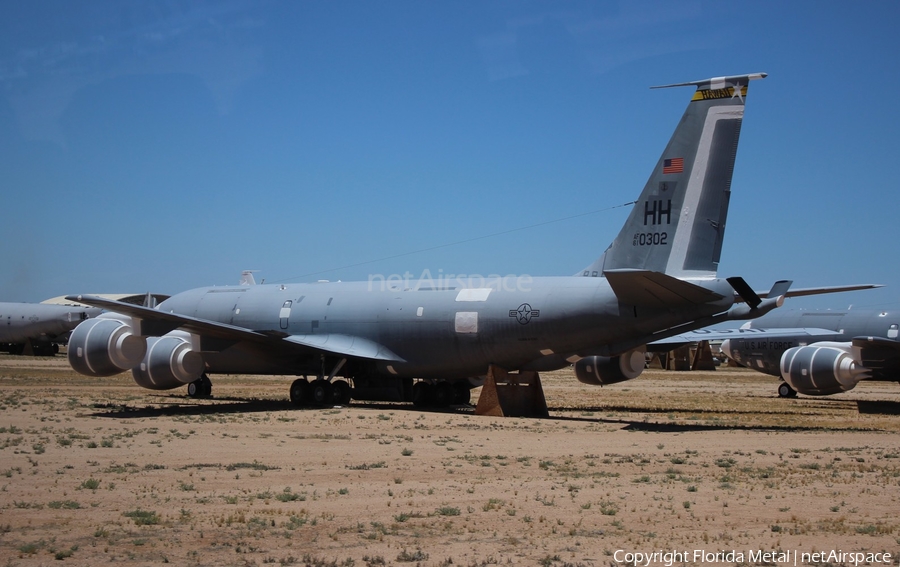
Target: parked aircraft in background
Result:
[[821, 352], [247, 278], [37, 329], [430, 340]]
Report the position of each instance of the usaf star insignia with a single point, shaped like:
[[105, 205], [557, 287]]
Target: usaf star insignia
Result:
[[524, 313]]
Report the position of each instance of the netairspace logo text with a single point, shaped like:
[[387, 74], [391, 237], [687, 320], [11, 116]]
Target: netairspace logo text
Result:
[[670, 558], [441, 281]]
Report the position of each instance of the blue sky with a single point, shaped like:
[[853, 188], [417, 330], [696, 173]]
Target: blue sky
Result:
[[159, 146]]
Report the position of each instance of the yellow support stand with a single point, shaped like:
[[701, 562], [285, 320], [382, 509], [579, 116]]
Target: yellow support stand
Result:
[[679, 359], [512, 395], [703, 358]]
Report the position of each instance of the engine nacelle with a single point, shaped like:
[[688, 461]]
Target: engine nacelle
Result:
[[605, 370], [822, 369], [104, 347], [170, 362]]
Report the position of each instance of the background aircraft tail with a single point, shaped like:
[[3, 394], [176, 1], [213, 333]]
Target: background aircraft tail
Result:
[[678, 223]]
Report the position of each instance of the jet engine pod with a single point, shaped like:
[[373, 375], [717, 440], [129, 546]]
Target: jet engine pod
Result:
[[169, 363], [605, 370], [104, 347], [818, 370]]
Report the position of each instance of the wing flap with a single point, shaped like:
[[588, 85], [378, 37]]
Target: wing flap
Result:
[[346, 345], [654, 289]]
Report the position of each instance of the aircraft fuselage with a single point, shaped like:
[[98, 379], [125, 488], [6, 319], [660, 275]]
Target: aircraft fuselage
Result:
[[448, 332], [37, 324]]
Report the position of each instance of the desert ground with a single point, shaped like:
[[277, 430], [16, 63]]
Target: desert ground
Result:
[[100, 471]]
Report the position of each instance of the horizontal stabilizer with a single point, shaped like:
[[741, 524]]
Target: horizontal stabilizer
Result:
[[654, 289], [717, 82], [819, 290]]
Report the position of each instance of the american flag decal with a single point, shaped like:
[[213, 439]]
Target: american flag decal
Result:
[[673, 165]]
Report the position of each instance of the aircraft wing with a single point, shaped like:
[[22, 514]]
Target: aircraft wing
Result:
[[821, 290], [157, 323], [879, 354], [880, 342], [723, 334]]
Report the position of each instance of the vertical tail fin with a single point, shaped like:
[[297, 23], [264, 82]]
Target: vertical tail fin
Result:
[[678, 223]]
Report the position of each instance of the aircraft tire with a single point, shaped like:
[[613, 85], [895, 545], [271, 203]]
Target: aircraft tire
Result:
[[321, 393], [207, 386], [443, 394], [422, 394], [299, 392], [46, 349], [342, 393], [785, 391], [462, 395], [200, 388]]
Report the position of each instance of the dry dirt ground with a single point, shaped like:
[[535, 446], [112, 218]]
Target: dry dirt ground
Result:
[[100, 471]]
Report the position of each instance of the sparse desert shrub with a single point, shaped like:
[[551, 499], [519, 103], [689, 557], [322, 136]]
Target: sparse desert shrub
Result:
[[407, 557], [67, 504], [142, 517]]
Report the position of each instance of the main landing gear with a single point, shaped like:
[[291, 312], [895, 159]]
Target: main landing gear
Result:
[[320, 392], [440, 394], [200, 388], [323, 391]]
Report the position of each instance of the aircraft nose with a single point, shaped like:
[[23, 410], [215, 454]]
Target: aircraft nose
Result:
[[726, 348]]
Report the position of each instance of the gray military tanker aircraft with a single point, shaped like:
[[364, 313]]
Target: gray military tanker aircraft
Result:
[[37, 329], [430, 341], [818, 353]]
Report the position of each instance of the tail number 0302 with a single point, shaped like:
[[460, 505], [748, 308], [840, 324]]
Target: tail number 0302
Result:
[[650, 239]]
